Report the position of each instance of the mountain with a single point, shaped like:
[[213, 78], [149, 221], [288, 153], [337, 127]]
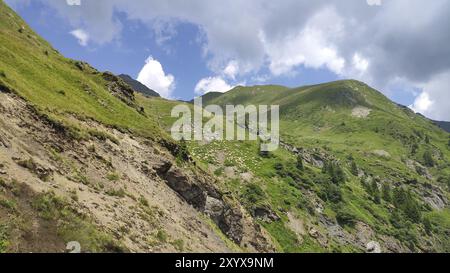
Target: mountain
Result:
[[378, 149], [445, 125], [83, 157], [138, 87], [209, 96]]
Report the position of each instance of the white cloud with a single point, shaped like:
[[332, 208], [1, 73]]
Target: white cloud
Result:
[[434, 100], [310, 47], [212, 84], [153, 76], [360, 63], [374, 2], [81, 35], [231, 70], [422, 103], [392, 39]]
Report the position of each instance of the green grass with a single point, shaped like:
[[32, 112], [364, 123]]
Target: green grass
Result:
[[4, 238], [57, 87]]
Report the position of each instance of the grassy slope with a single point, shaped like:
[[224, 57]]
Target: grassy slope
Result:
[[321, 117], [55, 85]]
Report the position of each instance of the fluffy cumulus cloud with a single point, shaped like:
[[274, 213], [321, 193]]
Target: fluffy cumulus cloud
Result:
[[371, 40], [212, 84], [153, 76], [434, 101], [81, 35]]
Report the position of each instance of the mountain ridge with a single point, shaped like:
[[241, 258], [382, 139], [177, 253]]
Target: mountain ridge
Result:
[[138, 86]]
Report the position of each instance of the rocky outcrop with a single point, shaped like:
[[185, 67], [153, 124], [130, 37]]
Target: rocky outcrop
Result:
[[197, 190], [265, 214], [138, 87], [121, 90], [315, 157], [197, 193], [183, 185]]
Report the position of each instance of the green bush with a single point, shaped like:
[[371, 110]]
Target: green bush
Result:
[[354, 168], [408, 204], [116, 193], [143, 201], [335, 171], [375, 191], [4, 234], [113, 177], [428, 159], [345, 217], [300, 165], [387, 193], [162, 236], [254, 194]]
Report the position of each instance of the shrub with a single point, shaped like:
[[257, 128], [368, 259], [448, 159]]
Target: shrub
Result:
[[7, 204], [387, 193], [428, 159], [406, 202], [331, 192], [162, 236], [414, 148], [113, 177], [428, 225], [254, 194], [104, 136], [116, 193], [375, 191], [143, 201], [182, 152], [178, 244], [219, 171], [335, 172], [3, 238], [354, 168], [229, 163], [345, 217], [300, 165]]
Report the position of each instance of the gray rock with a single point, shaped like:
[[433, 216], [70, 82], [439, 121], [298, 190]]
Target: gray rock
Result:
[[184, 186]]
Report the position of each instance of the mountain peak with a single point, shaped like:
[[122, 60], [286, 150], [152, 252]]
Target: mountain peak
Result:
[[138, 86]]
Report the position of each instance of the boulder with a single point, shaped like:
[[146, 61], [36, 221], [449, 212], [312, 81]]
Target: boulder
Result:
[[184, 186], [265, 214]]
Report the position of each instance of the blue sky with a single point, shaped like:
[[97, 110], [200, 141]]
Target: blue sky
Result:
[[182, 50]]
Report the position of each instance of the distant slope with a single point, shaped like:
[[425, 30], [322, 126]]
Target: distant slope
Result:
[[445, 125], [380, 145], [209, 97], [138, 87]]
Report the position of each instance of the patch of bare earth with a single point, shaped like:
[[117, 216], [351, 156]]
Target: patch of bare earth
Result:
[[114, 182]]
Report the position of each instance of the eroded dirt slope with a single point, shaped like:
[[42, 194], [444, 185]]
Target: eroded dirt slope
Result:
[[130, 190]]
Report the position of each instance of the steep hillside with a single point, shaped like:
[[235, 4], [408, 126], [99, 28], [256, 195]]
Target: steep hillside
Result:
[[81, 160], [445, 125], [349, 154]]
